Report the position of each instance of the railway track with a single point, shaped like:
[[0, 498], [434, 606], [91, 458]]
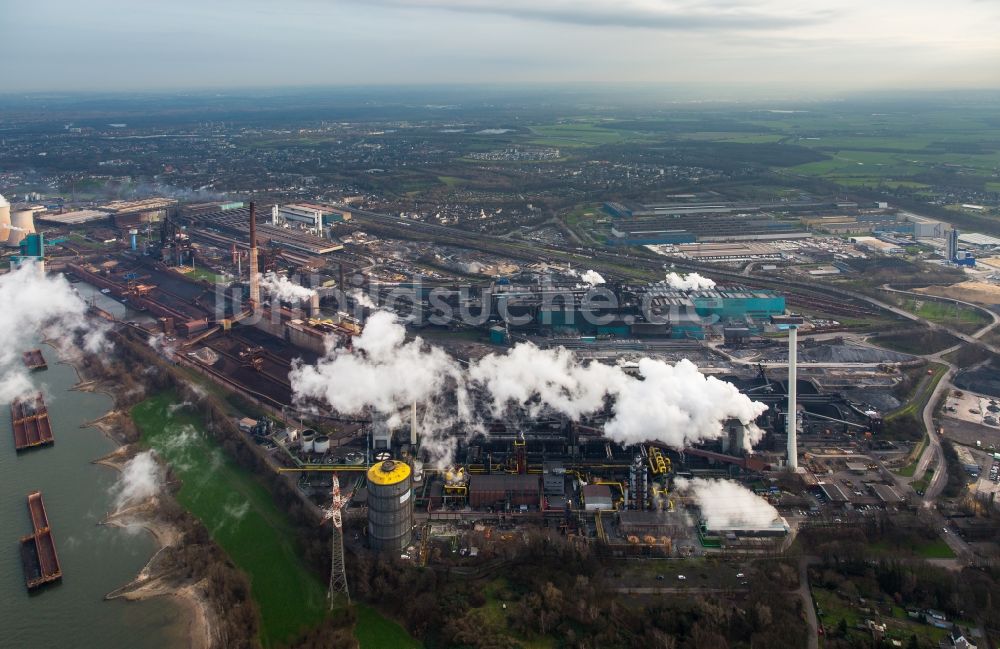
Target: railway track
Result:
[[801, 294]]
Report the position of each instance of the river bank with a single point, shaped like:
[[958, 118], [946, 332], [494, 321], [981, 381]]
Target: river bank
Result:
[[96, 559], [155, 580]]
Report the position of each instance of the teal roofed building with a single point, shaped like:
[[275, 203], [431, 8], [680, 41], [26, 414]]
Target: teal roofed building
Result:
[[737, 304]]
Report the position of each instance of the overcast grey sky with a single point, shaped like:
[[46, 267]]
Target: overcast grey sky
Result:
[[797, 45]]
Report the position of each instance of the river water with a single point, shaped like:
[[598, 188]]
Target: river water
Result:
[[95, 559]]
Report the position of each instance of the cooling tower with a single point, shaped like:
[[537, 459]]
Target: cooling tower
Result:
[[21, 225], [4, 220]]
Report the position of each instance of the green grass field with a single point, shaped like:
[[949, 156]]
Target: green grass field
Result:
[[240, 515], [203, 275], [907, 471], [376, 632], [936, 549], [576, 134], [921, 485], [959, 317], [915, 406], [899, 625]]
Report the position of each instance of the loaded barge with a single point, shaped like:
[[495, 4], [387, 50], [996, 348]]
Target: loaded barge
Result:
[[38, 550], [30, 420], [34, 360]]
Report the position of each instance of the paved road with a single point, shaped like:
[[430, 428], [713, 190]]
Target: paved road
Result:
[[934, 454], [807, 601], [669, 590], [969, 338]]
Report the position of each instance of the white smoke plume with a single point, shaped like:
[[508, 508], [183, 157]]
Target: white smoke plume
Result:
[[728, 504], [362, 299], [385, 374], [593, 278], [141, 478], [672, 404], [161, 345], [284, 289], [689, 282], [35, 305]]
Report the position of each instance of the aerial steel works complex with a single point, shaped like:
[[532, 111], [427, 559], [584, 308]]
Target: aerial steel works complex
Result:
[[244, 294]]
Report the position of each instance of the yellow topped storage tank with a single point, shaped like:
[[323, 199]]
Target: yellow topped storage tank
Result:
[[390, 505]]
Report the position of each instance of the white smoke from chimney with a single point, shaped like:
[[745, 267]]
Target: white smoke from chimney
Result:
[[362, 299], [593, 278], [672, 404], [282, 288], [689, 282], [385, 374], [35, 306], [728, 504]]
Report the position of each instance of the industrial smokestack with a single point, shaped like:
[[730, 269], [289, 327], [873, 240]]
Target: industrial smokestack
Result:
[[791, 417], [314, 305], [254, 268], [413, 425]]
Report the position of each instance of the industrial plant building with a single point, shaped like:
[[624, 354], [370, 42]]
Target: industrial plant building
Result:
[[656, 310], [313, 215]]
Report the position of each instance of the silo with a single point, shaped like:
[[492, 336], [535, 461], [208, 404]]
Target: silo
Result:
[[308, 437], [321, 444], [4, 220], [390, 506], [22, 224]]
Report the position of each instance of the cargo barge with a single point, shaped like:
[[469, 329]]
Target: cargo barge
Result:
[[34, 360], [30, 421], [38, 549]]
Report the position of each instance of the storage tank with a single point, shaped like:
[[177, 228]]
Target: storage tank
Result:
[[308, 439], [321, 444], [4, 220], [22, 224], [390, 506]]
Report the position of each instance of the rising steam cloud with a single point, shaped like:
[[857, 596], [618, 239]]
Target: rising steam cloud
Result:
[[672, 404], [728, 504], [141, 479], [32, 305], [592, 277], [689, 282], [362, 299], [284, 289], [386, 373]]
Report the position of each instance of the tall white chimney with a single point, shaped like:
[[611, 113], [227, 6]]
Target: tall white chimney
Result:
[[413, 425], [314, 306], [791, 417], [254, 266]]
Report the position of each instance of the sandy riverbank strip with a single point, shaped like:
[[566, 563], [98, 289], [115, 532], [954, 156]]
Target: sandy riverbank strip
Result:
[[154, 581], [196, 610]]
